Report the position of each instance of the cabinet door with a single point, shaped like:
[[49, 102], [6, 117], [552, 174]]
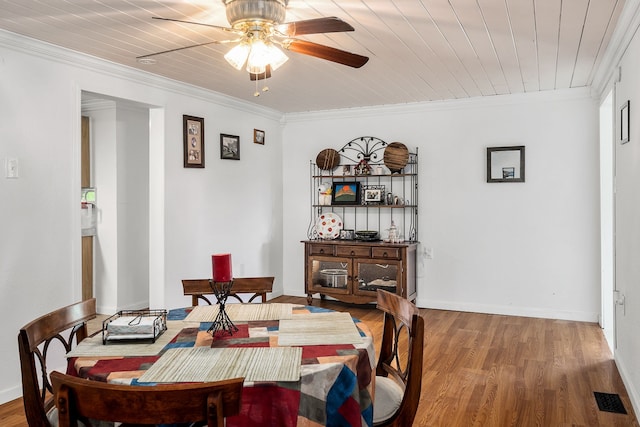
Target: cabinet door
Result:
[[372, 275], [329, 275]]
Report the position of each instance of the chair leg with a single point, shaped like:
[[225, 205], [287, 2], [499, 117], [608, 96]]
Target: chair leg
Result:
[[214, 408]]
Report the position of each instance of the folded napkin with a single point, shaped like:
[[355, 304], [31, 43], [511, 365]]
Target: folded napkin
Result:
[[132, 325]]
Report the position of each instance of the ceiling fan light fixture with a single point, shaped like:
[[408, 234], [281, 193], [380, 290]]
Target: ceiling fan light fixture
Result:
[[238, 55], [239, 11], [256, 69], [263, 54], [276, 57]]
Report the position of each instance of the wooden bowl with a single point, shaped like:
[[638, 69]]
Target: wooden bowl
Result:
[[328, 159], [396, 156]]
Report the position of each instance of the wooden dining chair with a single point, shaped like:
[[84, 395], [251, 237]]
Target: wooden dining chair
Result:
[[399, 371], [36, 341], [255, 286], [79, 399]]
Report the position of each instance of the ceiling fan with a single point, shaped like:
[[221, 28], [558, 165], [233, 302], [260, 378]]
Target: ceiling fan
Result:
[[259, 32]]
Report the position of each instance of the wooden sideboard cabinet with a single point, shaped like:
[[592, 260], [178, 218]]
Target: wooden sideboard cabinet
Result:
[[352, 271]]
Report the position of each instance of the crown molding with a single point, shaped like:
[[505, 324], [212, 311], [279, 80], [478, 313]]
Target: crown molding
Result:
[[72, 58], [446, 105], [626, 28]]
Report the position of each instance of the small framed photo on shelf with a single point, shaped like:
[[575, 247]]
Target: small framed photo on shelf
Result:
[[193, 141], [372, 194], [258, 136], [229, 147], [346, 234], [345, 193]]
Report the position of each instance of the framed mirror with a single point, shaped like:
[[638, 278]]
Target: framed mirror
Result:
[[505, 164]]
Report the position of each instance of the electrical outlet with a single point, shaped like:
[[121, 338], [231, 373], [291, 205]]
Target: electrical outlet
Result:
[[428, 253]]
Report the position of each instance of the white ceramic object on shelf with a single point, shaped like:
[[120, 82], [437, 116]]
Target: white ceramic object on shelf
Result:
[[328, 225]]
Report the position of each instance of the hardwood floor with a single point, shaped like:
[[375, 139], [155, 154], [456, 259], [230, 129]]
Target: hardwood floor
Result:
[[490, 370]]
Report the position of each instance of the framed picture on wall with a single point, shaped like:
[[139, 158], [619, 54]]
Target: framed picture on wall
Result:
[[505, 164], [229, 147], [193, 141], [258, 136]]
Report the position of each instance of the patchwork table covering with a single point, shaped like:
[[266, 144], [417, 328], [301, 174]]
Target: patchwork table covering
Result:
[[336, 379]]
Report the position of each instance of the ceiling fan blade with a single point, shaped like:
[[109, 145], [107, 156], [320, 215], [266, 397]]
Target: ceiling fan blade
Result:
[[149, 55], [325, 52], [314, 26], [231, 30]]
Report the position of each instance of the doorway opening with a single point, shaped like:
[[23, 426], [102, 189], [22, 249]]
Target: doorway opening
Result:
[[120, 158]]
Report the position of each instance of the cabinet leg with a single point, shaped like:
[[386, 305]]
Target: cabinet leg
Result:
[[309, 299]]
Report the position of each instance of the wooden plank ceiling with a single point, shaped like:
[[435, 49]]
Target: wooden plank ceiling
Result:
[[420, 50]]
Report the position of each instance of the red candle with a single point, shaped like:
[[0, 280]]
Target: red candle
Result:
[[221, 264]]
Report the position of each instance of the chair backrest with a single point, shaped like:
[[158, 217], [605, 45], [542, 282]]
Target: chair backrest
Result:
[[34, 344], [401, 352], [256, 286], [81, 399]]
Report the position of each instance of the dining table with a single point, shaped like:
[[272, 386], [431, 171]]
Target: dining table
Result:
[[302, 365]]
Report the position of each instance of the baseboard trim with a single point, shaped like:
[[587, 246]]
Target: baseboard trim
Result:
[[634, 394], [542, 313]]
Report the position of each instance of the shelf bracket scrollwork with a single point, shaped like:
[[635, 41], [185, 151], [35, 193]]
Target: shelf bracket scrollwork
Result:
[[363, 148]]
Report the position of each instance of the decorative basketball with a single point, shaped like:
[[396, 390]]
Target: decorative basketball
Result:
[[396, 156], [328, 159]]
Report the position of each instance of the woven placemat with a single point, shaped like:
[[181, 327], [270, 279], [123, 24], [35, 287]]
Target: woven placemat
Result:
[[318, 329], [93, 347], [204, 364], [242, 312]]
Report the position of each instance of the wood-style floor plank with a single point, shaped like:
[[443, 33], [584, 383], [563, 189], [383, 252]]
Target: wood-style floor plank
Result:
[[489, 370]]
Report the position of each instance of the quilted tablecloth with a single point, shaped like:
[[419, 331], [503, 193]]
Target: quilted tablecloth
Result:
[[335, 386]]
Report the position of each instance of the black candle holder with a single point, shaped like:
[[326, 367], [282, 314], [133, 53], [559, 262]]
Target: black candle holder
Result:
[[222, 321]]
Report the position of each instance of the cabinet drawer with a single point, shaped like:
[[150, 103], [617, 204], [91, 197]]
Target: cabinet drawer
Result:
[[321, 250], [353, 251], [387, 253]]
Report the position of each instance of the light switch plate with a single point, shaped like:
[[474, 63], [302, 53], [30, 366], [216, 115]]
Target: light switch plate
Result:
[[11, 168]]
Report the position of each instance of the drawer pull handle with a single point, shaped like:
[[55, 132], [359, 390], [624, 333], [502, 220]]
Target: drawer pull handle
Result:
[[384, 255], [353, 253], [321, 251]]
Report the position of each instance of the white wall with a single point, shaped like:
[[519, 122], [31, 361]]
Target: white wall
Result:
[[627, 223], [133, 207], [233, 206], [528, 248]]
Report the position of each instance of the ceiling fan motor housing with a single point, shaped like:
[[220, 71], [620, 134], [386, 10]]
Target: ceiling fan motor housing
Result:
[[239, 11]]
